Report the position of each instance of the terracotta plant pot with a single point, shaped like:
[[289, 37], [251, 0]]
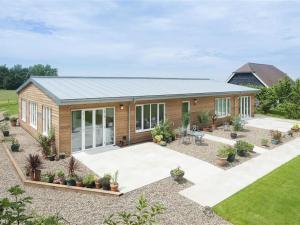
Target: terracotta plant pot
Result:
[[214, 126], [36, 175], [79, 184], [295, 129], [62, 155], [114, 187], [221, 161], [97, 185], [13, 123]]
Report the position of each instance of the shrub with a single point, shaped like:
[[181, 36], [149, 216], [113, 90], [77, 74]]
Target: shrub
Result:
[[89, 181], [276, 135], [48, 177], [163, 131], [177, 172], [243, 147], [264, 142], [295, 126], [13, 119], [60, 174], [203, 117], [6, 115], [226, 151], [4, 126], [237, 124], [144, 214], [34, 162], [105, 181], [47, 143]]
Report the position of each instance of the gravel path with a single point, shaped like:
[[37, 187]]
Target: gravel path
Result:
[[253, 136], [207, 151], [89, 209]]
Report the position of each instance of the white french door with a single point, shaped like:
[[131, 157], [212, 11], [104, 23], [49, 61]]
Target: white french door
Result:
[[92, 128], [245, 106]]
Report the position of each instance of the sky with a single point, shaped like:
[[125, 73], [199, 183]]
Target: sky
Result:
[[208, 39]]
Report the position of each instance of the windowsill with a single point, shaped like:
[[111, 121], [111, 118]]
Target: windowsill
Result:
[[223, 116], [141, 131]]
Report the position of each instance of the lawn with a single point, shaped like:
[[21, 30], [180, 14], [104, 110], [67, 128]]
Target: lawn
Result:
[[8, 101], [272, 200]]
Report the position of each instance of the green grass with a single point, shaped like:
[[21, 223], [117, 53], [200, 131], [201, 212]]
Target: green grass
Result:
[[8, 101], [272, 200]]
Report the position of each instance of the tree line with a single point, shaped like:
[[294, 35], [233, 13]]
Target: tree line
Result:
[[13, 77], [282, 98]]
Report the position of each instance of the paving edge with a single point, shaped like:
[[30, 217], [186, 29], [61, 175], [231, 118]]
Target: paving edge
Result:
[[40, 184]]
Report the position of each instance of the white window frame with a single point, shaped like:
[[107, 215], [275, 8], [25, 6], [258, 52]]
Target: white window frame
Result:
[[23, 110], [47, 119], [245, 106], [223, 112], [33, 113], [142, 117]]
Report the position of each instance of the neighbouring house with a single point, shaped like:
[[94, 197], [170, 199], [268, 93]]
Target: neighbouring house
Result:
[[91, 112], [256, 74]]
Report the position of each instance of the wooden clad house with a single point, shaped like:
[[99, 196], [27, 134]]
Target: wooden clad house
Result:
[[92, 112], [257, 74]]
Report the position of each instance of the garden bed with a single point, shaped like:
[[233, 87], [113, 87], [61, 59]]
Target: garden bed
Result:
[[207, 151], [28, 145], [254, 136]]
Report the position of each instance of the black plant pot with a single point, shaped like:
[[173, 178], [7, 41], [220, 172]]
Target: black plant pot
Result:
[[62, 156], [71, 182], [5, 133], [51, 157], [242, 153], [231, 158], [233, 135], [15, 147]]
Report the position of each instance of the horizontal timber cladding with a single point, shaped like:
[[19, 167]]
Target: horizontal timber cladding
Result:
[[61, 116], [33, 94]]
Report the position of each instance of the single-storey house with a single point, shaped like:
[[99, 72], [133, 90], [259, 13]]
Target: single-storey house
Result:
[[91, 112], [257, 74]]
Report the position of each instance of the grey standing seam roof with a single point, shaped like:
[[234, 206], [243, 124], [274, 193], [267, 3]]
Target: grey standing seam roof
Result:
[[68, 90]]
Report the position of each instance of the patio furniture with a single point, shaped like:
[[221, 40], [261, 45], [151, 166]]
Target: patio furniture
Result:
[[226, 126], [187, 140], [194, 128], [198, 137]]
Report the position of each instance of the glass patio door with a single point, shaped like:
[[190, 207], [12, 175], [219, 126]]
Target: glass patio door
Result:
[[245, 106], [185, 109], [92, 128]]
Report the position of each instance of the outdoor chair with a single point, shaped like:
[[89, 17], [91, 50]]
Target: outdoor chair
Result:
[[199, 139]]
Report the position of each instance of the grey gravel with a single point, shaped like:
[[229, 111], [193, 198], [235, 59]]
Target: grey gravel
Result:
[[207, 151], [78, 208], [254, 136]]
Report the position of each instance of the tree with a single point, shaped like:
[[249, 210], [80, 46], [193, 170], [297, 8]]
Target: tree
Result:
[[283, 90], [4, 71], [296, 92], [41, 70]]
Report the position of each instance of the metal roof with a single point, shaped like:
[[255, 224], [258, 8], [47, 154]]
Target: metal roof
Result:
[[71, 90]]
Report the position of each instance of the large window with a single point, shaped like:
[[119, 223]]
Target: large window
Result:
[[33, 114], [148, 116], [222, 106], [46, 120], [23, 110]]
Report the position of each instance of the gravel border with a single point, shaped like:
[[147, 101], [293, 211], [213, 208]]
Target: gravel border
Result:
[[207, 151]]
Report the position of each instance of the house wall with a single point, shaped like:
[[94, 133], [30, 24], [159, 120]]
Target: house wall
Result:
[[245, 79], [62, 115], [34, 94]]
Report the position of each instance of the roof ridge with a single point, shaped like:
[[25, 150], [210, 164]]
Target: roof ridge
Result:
[[119, 77]]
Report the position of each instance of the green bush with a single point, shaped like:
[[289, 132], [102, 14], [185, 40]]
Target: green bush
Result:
[[89, 181], [164, 131], [225, 151], [243, 147], [237, 124]]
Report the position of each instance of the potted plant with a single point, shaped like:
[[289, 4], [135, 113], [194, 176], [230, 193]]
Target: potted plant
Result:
[[5, 129], [214, 120], [97, 182], [264, 142], [158, 138], [13, 121], [6, 116], [15, 146], [295, 127], [231, 153], [243, 147], [177, 174], [114, 186], [47, 143], [72, 166], [203, 119], [105, 182], [222, 156], [185, 122], [276, 137], [34, 164], [60, 177], [48, 177], [62, 155], [79, 181], [236, 126], [163, 143], [88, 181]]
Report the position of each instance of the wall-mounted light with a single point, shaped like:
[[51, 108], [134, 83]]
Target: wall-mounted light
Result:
[[195, 101], [121, 106]]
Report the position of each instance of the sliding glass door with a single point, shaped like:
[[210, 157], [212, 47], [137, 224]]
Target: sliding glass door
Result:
[[93, 128], [245, 106]]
